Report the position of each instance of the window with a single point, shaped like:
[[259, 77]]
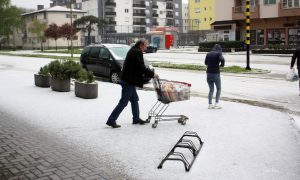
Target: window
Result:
[[269, 1], [104, 53], [210, 19], [204, 19], [197, 10], [290, 4], [126, 10], [94, 52], [197, 1]]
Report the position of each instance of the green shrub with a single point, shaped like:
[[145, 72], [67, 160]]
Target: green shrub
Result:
[[44, 71], [224, 44], [85, 76], [64, 69]]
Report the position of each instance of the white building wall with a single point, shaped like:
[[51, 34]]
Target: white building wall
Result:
[[269, 10], [185, 18], [91, 7], [124, 19], [59, 18], [223, 10], [161, 13]]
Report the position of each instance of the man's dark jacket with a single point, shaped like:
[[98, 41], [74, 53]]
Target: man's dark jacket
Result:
[[134, 68], [214, 60], [296, 55]]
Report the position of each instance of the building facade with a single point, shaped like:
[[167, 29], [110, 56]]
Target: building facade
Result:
[[273, 22], [58, 15], [132, 17], [185, 18], [202, 14]]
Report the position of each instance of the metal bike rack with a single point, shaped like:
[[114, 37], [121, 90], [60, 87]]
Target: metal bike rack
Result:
[[184, 143]]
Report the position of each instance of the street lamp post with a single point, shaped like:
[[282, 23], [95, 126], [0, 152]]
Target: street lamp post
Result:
[[71, 12], [248, 33]]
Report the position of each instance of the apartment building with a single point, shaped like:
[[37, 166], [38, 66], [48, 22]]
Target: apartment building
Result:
[[201, 14], [131, 16], [185, 18], [57, 14], [272, 21]]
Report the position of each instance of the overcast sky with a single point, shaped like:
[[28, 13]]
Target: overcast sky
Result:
[[30, 3], [33, 3]]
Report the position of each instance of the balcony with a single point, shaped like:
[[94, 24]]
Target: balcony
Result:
[[284, 11], [154, 15], [154, 6], [155, 23], [110, 13], [169, 15], [139, 23], [169, 7], [170, 24], [111, 23], [139, 5], [139, 14], [111, 31], [111, 4], [239, 12]]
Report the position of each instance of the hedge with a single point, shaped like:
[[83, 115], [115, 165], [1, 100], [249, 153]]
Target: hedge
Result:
[[200, 49], [225, 44], [273, 51]]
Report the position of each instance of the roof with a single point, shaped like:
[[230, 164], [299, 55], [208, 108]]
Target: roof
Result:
[[54, 9], [223, 22]]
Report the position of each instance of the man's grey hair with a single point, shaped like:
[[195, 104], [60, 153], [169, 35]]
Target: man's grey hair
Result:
[[140, 42]]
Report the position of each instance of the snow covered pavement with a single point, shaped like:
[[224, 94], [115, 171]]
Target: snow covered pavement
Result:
[[240, 141]]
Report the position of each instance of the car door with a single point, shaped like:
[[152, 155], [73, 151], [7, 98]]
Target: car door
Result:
[[92, 60], [105, 61]]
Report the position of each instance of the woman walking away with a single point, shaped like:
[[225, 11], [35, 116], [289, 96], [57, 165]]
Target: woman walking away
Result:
[[214, 60]]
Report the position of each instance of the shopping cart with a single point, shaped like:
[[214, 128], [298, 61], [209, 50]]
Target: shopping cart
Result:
[[167, 92]]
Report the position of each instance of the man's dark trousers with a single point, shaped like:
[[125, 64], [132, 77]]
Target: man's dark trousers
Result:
[[128, 94]]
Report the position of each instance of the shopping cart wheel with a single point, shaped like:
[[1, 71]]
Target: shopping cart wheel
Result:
[[148, 119], [154, 125], [181, 119]]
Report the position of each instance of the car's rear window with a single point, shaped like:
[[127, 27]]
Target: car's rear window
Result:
[[119, 52]]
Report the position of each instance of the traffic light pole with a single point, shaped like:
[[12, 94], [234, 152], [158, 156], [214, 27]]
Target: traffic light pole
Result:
[[248, 33]]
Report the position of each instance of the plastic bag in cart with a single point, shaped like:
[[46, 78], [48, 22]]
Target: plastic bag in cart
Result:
[[171, 91]]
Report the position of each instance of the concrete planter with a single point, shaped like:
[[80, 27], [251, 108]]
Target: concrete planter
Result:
[[60, 85], [42, 81], [86, 91]]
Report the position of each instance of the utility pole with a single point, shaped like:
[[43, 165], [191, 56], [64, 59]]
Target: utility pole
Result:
[[71, 12], [248, 33]]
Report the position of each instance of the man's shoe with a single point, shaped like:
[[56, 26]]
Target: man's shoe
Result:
[[210, 106], [138, 121], [113, 124]]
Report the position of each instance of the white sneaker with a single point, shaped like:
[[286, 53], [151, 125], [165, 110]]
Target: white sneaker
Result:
[[210, 106], [217, 106]]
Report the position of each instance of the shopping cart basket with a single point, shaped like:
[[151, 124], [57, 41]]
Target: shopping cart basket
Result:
[[167, 92]]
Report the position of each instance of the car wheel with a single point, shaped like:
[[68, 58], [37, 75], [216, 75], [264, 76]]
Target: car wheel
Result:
[[114, 77]]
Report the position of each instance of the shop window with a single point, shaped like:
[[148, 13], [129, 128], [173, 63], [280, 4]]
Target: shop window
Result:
[[294, 36], [276, 36], [257, 37]]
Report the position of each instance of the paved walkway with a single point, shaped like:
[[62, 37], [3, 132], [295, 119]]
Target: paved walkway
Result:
[[28, 153]]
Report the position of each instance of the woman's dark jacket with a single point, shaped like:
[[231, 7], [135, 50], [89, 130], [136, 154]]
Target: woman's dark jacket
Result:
[[296, 55], [214, 60], [134, 68]]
